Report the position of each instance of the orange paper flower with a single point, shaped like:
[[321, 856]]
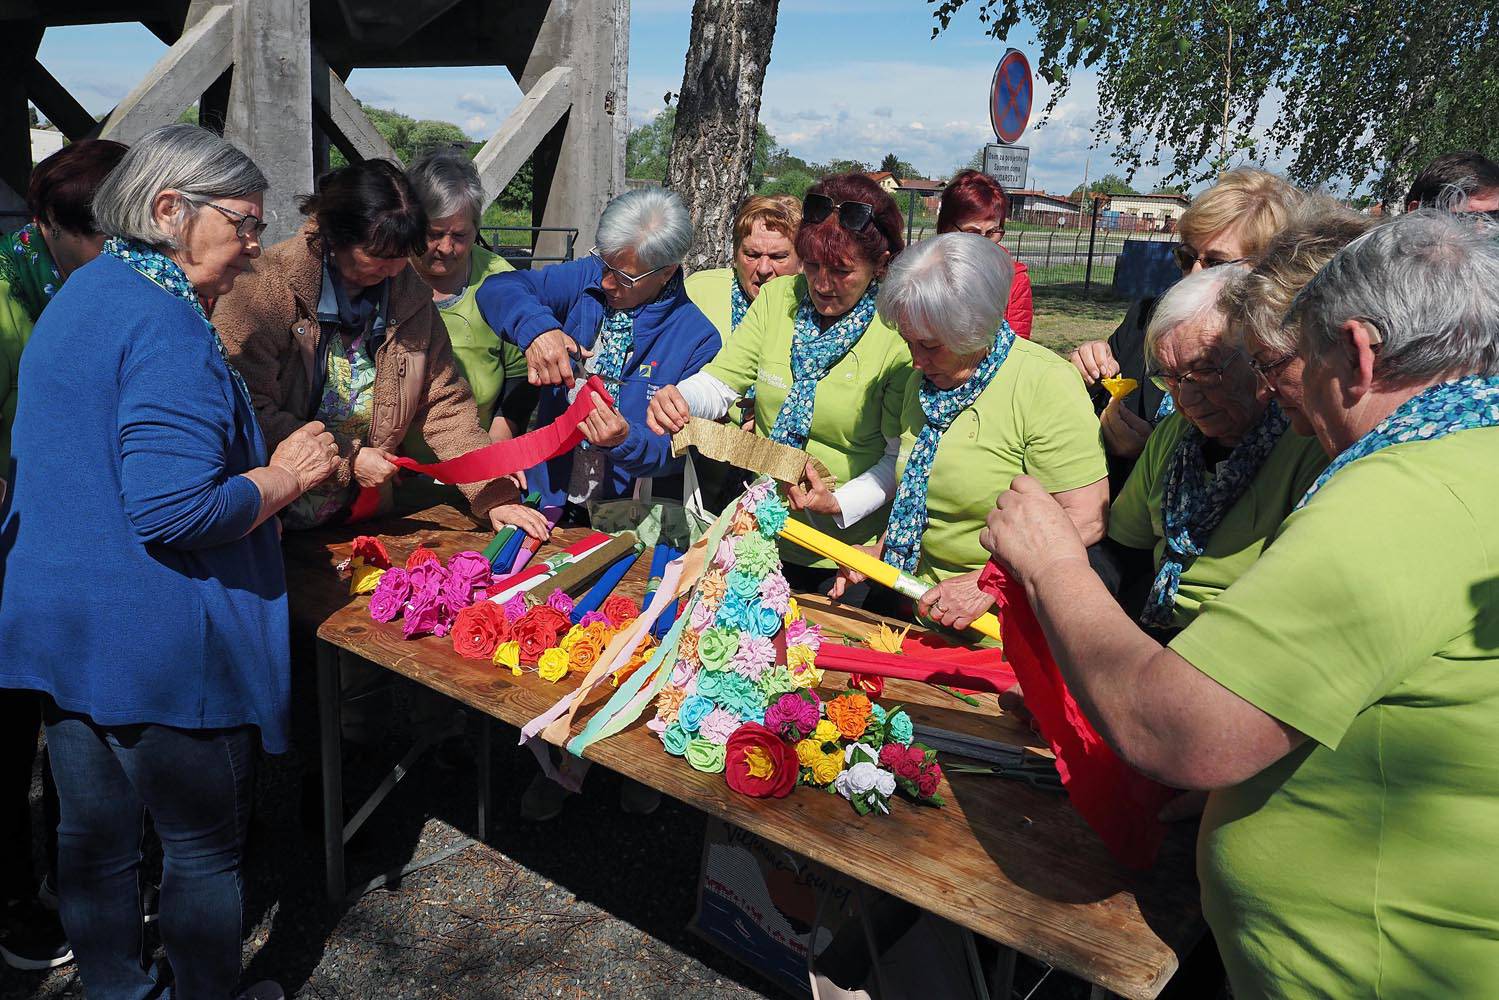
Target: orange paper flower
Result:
[[850, 713], [712, 587], [584, 652], [669, 702]]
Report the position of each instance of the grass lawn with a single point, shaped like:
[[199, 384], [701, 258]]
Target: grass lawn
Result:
[[1066, 319]]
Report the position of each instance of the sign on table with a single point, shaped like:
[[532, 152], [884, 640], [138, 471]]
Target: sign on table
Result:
[[1007, 164]]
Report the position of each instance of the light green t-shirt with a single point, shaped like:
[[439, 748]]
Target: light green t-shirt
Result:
[[15, 330], [1362, 863], [1033, 419], [483, 359], [709, 291], [1135, 518], [858, 404]]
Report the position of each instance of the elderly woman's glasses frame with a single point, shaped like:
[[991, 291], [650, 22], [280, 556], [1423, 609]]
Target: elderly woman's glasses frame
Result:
[[852, 215], [1265, 370], [1202, 378], [625, 278], [246, 225], [1186, 257]]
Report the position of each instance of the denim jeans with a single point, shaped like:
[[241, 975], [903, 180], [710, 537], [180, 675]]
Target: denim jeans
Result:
[[196, 785]]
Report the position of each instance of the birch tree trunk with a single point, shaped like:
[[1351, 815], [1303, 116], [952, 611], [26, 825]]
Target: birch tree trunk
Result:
[[718, 109]]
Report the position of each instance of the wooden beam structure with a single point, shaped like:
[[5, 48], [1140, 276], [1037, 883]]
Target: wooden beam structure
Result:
[[532, 120]]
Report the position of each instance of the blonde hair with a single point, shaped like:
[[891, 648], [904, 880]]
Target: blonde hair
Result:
[[780, 213], [1255, 203], [1257, 301]]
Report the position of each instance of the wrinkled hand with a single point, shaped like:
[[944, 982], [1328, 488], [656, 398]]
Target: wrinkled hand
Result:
[[1029, 531], [528, 519], [746, 414], [373, 467], [816, 498], [605, 427], [1094, 361], [955, 602], [847, 578], [667, 412], [548, 359], [1124, 433], [309, 453]]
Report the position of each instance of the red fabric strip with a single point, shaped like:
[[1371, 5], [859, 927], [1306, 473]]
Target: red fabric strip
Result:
[[1118, 802], [993, 675]]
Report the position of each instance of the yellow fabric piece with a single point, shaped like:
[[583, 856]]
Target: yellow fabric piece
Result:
[[1118, 386]]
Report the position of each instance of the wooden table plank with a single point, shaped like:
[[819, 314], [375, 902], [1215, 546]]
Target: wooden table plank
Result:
[[1011, 863]]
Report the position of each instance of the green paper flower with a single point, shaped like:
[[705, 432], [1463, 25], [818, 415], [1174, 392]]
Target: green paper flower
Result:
[[676, 739], [716, 647], [756, 556], [705, 755]]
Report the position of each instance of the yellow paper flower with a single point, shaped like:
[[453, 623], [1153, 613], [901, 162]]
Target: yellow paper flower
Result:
[[826, 732], [887, 640], [793, 611], [573, 635], [799, 656], [365, 578], [757, 763], [806, 676], [826, 768], [1119, 386], [507, 654], [809, 752], [553, 665]]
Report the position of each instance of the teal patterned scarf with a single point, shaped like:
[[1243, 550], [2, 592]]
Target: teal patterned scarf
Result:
[[814, 353]]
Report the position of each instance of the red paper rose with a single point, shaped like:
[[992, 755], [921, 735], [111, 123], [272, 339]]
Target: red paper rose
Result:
[[538, 631], [420, 555], [619, 609], [372, 551], [927, 781], [759, 763], [479, 629], [871, 684]]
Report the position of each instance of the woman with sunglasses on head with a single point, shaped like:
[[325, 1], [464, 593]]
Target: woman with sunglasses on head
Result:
[[973, 202], [620, 313], [1229, 223], [334, 325], [828, 374]]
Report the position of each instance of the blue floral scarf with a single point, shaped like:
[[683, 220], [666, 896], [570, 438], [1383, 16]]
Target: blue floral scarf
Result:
[[738, 303], [1192, 508], [814, 353], [1461, 405], [165, 274], [26, 264], [908, 517]]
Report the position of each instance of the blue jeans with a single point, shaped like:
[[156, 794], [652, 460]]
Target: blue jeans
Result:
[[196, 785]]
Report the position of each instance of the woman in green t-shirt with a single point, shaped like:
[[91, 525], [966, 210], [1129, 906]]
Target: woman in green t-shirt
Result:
[[1218, 475], [828, 374], [764, 249]]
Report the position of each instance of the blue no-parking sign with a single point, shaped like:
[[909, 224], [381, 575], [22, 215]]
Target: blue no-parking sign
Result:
[[1010, 96]]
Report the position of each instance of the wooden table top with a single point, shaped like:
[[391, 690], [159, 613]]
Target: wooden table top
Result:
[[1012, 863]]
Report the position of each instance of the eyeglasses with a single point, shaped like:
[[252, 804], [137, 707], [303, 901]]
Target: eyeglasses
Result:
[[994, 234], [1202, 378], [246, 226], [1186, 257], [1265, 370], [624, 277], [854, 215]]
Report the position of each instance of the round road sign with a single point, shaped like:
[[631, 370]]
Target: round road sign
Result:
[[1010, 96]]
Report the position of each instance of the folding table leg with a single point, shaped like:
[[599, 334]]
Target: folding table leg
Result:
[[330, 726], [486, 786]]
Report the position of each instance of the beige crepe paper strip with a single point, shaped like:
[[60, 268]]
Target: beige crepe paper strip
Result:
[[728, 443]]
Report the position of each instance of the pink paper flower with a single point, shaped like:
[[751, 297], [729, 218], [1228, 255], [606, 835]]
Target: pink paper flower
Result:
[[717, 726], [702, 615], [757, 491], [775, 593], [803, 633], [470, 569], [724, 557], [515, 608], [754, 656]]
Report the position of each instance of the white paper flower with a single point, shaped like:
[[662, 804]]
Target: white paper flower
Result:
[[884, 782], [848, 752]]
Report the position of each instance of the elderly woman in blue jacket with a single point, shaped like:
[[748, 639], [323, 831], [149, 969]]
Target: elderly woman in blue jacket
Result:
[[620, 313], [143, 589]]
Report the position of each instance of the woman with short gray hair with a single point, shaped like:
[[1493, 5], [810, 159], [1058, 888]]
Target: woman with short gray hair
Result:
[[620, 313], [159, 691], [982, 407], [1340, 700], [454, 266]]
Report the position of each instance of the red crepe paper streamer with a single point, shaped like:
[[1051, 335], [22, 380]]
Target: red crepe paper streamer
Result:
[[503, 457], [992, 675], [1118, 802]]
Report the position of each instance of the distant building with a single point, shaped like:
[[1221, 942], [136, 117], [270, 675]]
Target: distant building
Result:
[[886, 180], [45, 142], [1040, 208], [1160, 208]]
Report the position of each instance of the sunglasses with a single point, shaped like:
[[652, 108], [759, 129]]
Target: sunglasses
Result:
[[625, 278], [853, 215], [1186, 257], [246, 226]]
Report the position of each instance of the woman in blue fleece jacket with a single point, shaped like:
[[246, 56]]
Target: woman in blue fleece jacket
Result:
[[620, 313], [141, 583]]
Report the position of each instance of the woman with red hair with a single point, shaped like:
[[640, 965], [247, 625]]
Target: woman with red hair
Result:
[[829, 376], [975, 203]]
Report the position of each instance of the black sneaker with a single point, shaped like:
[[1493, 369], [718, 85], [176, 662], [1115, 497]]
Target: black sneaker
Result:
[[32, 938]]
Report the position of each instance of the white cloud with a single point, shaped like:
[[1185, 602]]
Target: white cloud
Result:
[[475, 102], [476, 124]]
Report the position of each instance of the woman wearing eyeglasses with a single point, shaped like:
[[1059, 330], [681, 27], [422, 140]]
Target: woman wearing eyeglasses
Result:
[[1229, 223], [1218, 475], [334, 325], [828, 374], [620, 313], [973, 202]]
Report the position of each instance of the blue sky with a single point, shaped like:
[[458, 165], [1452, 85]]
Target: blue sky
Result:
[[847, 78]]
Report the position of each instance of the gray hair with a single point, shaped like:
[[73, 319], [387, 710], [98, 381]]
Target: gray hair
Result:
[[1195, 297], [185, 158], [446, 183], [651, 221], [953, 289], [1428, 281]]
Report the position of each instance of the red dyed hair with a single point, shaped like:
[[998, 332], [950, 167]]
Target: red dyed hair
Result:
[[828, 242], [971, 195], [62, 186]]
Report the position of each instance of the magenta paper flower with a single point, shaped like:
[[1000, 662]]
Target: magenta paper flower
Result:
[[792, 717], [426, 579], [515, 609], [471, 569], [593, 616], [424, 616], [390, 595], [558, 599]]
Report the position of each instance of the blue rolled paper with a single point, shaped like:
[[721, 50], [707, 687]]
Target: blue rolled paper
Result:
[[605, 585], [502, 562], [660, 559], [668, 617]]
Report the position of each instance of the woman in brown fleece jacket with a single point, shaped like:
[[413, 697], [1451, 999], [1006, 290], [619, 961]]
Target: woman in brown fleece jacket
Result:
[[334, 325]]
